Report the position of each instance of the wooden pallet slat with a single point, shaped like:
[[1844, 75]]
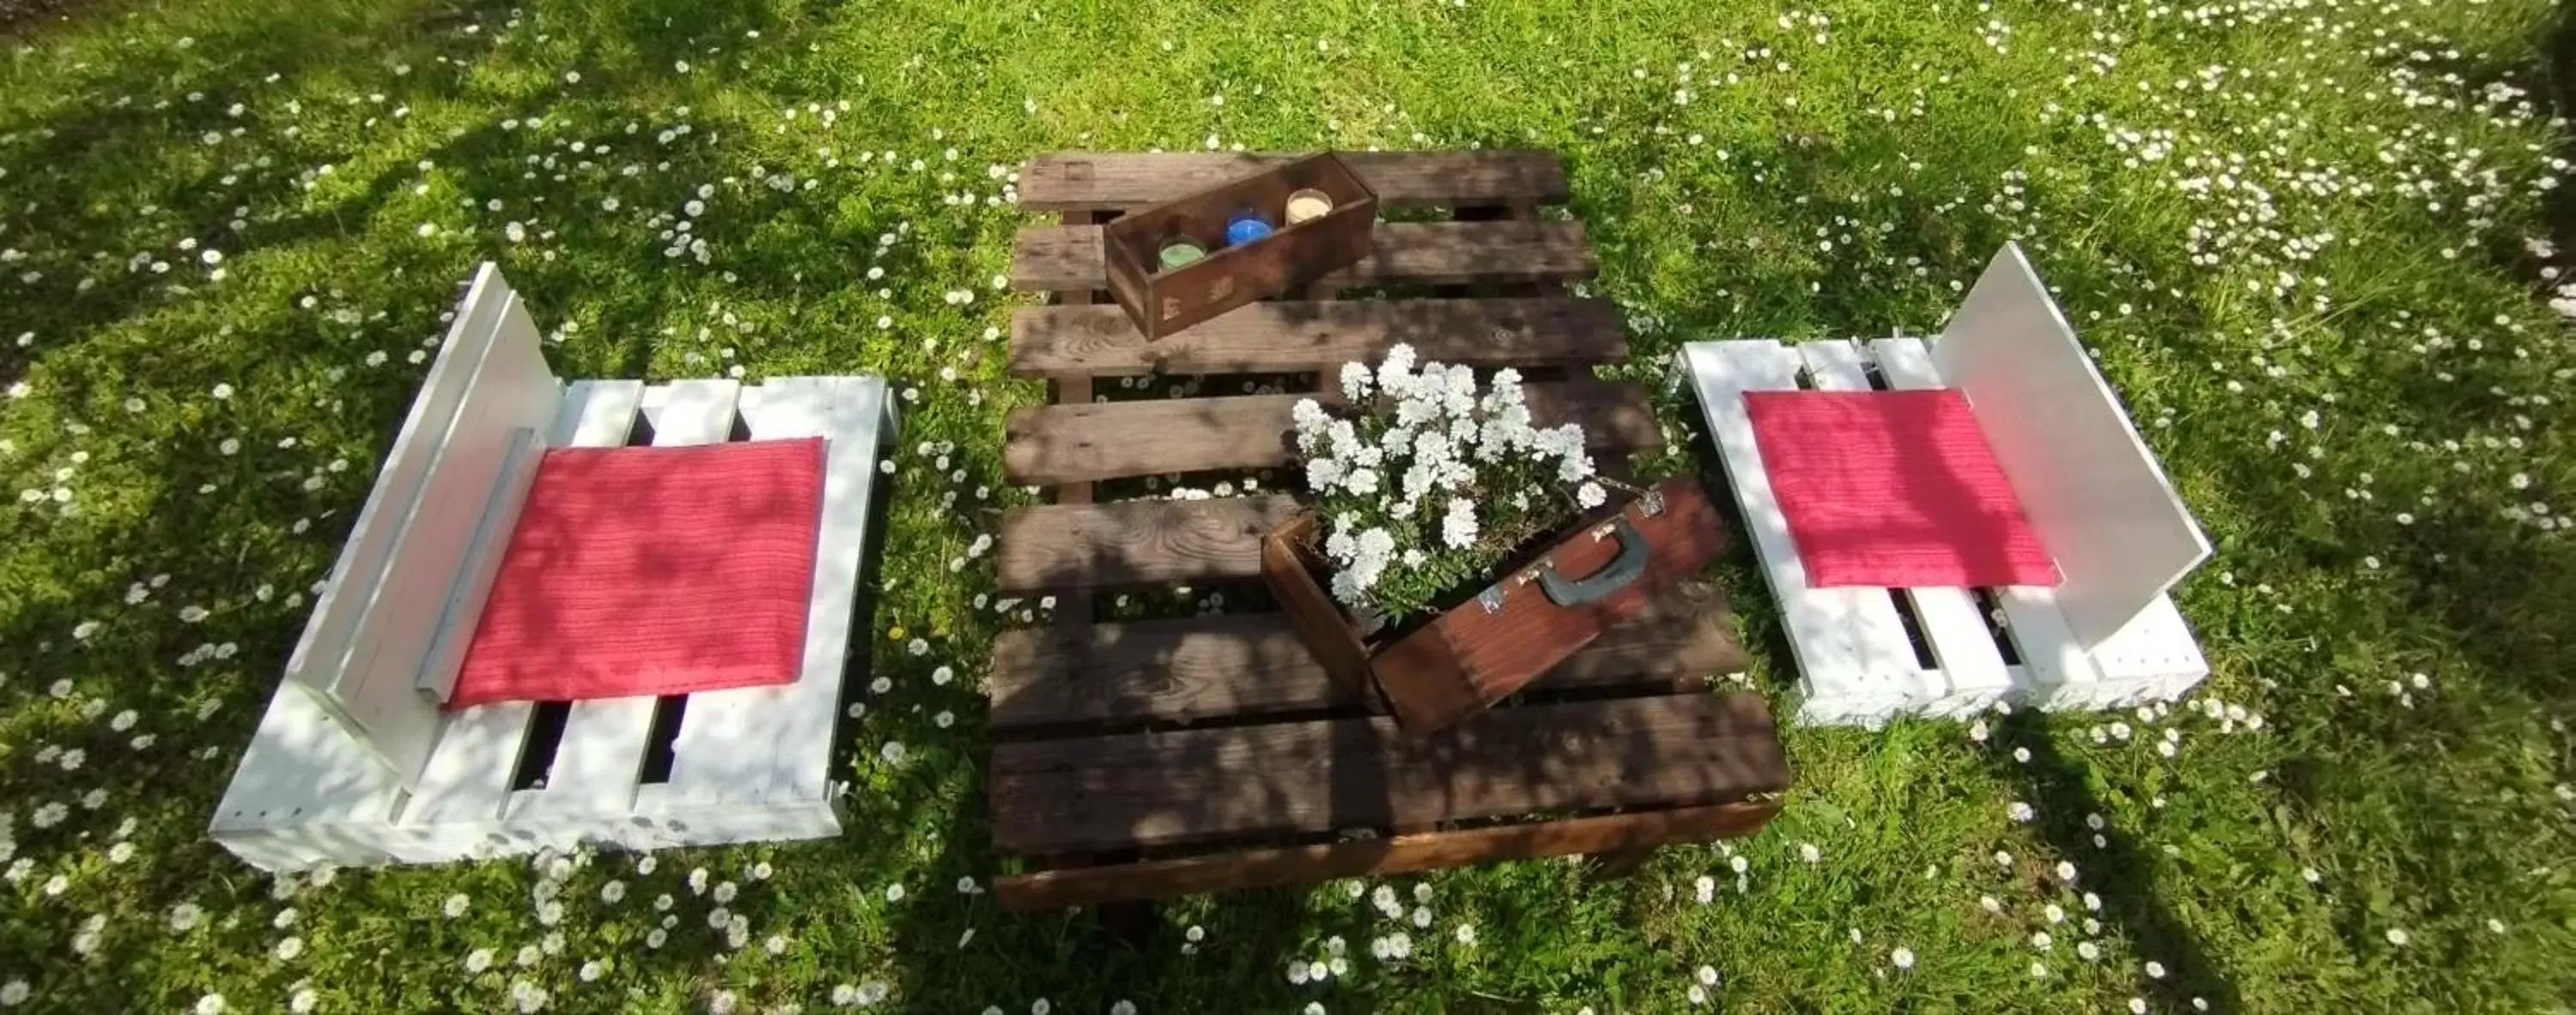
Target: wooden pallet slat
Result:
[[1399, 854], [1100, 181], [599, 761], [1973, 672], [1850, 645], [1052, 444], [1061, 257], [1292, 336], [462, 784], [1195, 668], [1094, 793], [1273, 745], [1947, 617], [1090, 546], [763, 754]]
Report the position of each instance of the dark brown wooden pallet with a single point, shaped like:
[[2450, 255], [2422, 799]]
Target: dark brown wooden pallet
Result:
[[1302, 336], [1054, 444], [1144, 759]]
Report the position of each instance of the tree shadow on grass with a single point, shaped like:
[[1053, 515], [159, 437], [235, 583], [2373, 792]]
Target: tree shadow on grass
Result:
[[2117, 870]]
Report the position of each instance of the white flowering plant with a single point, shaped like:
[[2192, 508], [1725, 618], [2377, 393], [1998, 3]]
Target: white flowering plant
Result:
[[1422, 482]]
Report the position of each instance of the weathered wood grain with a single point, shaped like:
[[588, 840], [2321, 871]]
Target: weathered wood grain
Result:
[[1099, 181], [1142, 542], [1051, 444], [1048, 258], [1296, 336], [1094, 793]]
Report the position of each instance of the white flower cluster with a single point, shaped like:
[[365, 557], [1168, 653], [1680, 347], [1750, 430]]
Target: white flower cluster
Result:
[[1433, 432]]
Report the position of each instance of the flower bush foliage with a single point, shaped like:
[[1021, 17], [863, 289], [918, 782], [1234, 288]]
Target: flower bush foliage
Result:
[[1423, 483]]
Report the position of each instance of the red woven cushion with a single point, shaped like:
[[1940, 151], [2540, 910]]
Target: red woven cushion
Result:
[[1893, 489], [652, 570]]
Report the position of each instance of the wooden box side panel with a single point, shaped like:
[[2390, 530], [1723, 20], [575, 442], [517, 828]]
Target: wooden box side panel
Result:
[[1317, 621], [1166, 301], [1425, 682], [1131, 286], [1505, 649]]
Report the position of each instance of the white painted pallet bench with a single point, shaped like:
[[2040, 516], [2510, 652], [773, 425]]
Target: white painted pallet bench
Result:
[[2108, 636], [355, 763]]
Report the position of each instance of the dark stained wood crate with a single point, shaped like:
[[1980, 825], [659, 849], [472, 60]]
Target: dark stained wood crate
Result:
[[1148, 758], [1163, 299]]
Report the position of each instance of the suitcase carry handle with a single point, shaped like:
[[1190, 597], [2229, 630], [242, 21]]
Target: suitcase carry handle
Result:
[[1616, 575]]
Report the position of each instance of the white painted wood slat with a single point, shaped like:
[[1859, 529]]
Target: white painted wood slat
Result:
[[1853, 670], [745, 751], [371, 684], [468, 777], [598, 763], [2091, 488], [325, 643], [1971, 670], [479, 566]]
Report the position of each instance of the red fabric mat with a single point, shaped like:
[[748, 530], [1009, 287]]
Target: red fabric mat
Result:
[[1893, 489], [651, 570]]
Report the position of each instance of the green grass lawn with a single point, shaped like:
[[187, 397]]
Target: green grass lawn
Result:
[[2310, 240]]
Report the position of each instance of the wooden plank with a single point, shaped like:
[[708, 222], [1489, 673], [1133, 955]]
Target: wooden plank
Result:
[[1090, 546], [752, 747], [1972, 666], [320, 652], [1100, 181], [1074, 608], [601, 757], [1197, 668], [2090, 486], [1947, 616], [1417, 253], [1853, 657], [2154, 658], [1298, 336], [1401, 854], [468, 776], [302, 768], [401, 563], [1107, 440], [2058, 672], [479, 565], [1097, 793]]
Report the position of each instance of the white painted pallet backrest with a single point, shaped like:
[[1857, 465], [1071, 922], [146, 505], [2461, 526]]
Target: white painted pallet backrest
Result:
[[2093, 492], [463, 443]]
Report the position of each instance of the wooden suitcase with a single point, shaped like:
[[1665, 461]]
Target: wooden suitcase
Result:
[[1522, 625]]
